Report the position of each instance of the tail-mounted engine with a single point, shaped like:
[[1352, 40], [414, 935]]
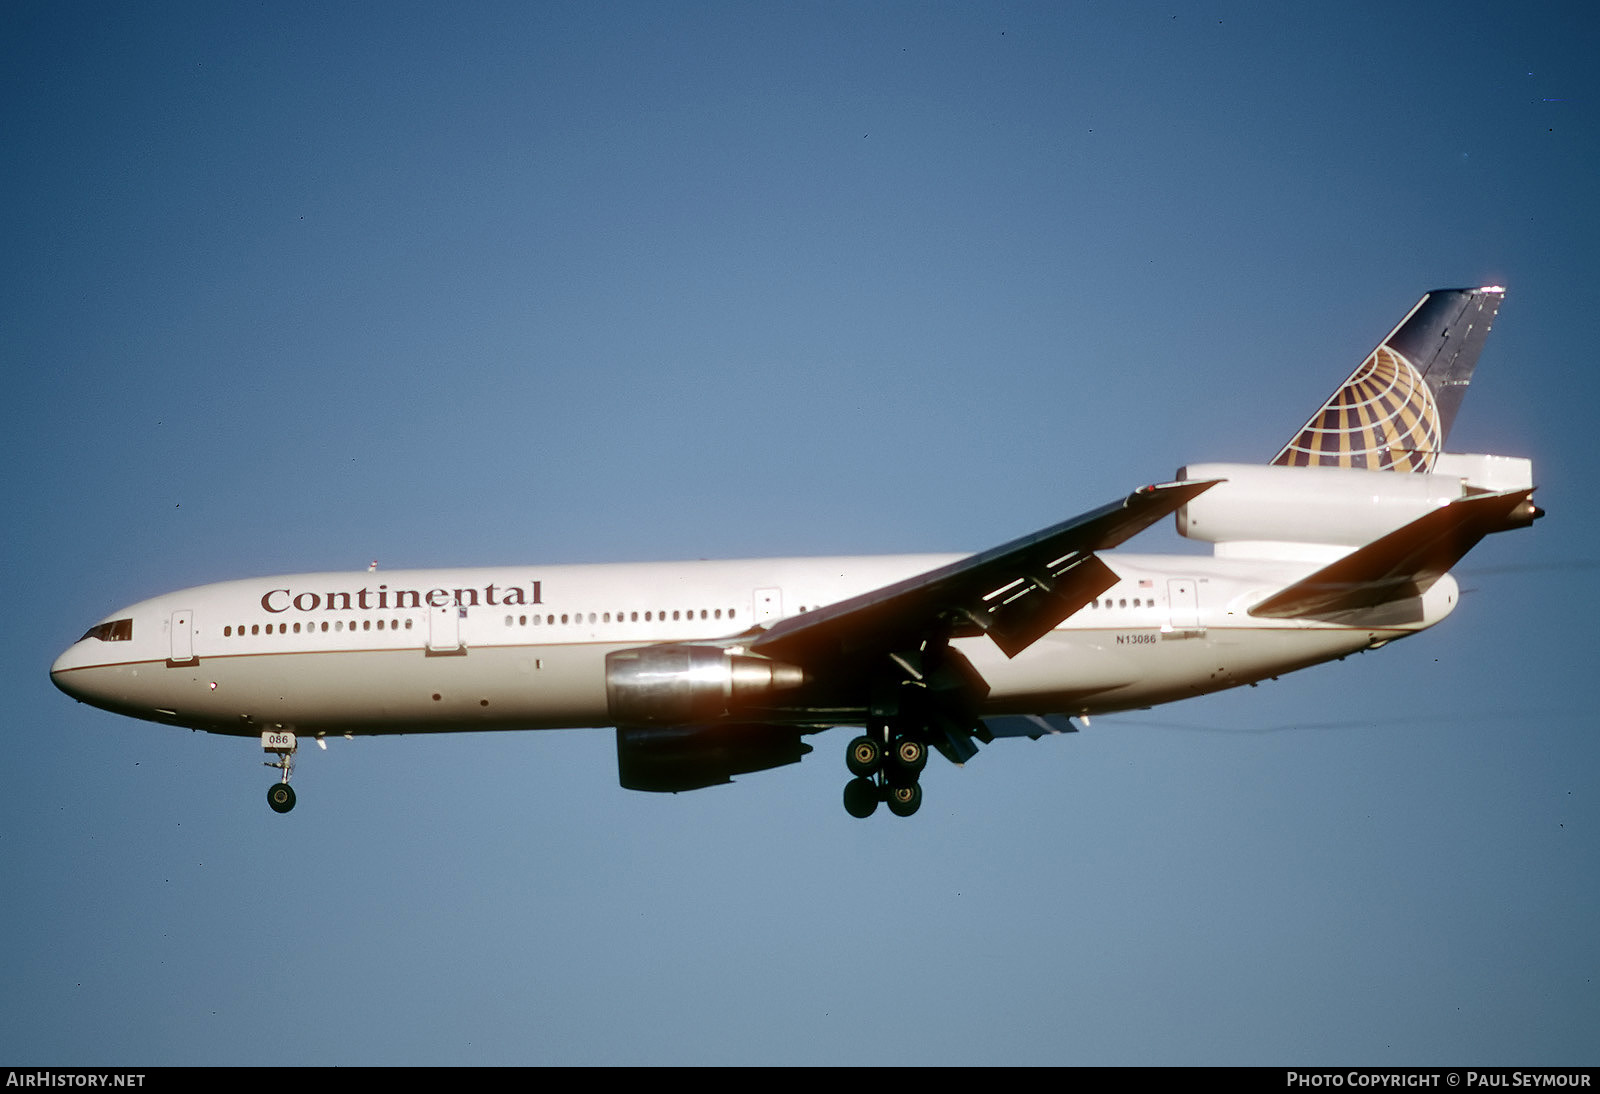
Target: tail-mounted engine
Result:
[[682, 685], [1340, 506]]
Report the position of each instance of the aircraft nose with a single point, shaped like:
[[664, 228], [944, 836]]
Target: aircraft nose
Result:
[[88, 670], [79, 671], [61, 672]]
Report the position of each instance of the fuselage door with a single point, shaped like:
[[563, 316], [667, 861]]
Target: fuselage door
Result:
[[444, 629], [181, 630], [768, 605], [1183, 602]]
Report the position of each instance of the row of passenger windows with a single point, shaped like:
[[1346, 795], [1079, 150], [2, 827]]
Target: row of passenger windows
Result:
[[336, 625], [621, 617], [565, 618], [511, 620]]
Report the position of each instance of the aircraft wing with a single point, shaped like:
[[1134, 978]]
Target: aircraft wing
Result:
[[1015, 593], [1404, 563]]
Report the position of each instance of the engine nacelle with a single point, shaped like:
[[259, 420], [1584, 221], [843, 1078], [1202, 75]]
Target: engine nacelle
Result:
[[1338, 506], [682, 685], [669, 759]]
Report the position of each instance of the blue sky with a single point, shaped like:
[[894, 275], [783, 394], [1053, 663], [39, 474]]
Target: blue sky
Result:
[[295, 287]]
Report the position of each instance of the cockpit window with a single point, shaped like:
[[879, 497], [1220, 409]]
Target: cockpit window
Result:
[[118, 630]]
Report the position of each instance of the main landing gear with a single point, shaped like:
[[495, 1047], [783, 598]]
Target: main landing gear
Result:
[[280, 795], [886, 766]]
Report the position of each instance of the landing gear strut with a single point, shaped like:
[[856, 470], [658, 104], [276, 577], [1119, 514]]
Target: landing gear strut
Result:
[[280, 795], [886, 765]]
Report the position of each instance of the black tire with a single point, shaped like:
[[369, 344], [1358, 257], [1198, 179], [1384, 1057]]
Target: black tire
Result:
[[911, 755], [860, 798], [905, 800], [281, 797], [864, 756]]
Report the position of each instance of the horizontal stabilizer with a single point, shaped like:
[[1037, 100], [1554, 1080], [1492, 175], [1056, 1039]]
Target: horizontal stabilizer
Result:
[[1404, 563]]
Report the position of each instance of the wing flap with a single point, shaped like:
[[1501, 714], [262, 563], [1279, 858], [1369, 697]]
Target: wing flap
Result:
[[1406, 562], [1030, 608], [1032, 726]]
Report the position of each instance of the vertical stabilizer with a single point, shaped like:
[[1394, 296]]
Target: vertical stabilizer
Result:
[[1396, 409]]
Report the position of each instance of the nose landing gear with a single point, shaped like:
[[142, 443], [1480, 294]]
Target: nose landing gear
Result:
[[281, 743]]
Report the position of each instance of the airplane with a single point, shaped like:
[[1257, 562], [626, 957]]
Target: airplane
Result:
[[712, 669]]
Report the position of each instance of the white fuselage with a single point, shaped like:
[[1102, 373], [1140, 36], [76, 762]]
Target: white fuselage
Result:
[[524, 647]]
